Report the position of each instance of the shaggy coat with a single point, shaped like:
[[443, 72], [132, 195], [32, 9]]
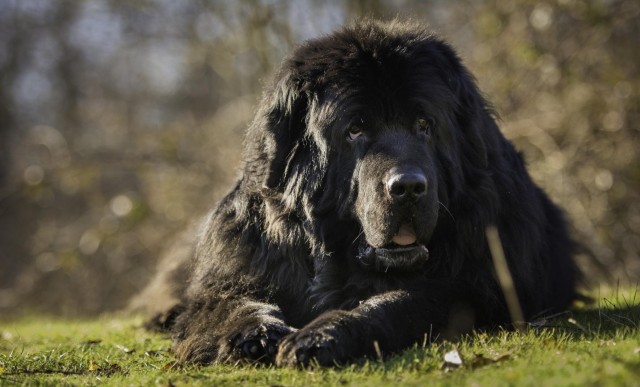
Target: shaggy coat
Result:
[[371, 172]]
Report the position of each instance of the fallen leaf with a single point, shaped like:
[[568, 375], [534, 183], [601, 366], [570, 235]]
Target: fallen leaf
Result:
[[452, 360], [170, 366], [480, 360], [125, 349]]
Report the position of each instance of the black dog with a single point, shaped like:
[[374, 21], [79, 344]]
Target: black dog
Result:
[[372, 170]]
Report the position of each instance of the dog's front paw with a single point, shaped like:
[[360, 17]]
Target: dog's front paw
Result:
[[258, 344], [309, 347]]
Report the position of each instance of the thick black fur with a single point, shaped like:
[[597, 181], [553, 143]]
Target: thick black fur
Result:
[[296, 265]]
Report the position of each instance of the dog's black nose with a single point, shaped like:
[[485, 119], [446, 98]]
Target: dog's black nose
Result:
[[405, 185]]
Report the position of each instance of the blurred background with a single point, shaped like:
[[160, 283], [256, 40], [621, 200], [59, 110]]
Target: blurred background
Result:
[[121, 122]]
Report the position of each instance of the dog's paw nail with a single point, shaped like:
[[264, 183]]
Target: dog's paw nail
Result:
[[251, 348]]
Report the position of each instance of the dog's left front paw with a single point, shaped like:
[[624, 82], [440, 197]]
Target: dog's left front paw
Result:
[[309, 347]]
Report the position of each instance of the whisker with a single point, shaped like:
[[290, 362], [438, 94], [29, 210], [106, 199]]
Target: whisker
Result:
[[358, 236], [448, 212]]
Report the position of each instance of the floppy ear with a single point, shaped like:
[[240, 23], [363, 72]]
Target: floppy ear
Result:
[[273, 136], [474, 114]]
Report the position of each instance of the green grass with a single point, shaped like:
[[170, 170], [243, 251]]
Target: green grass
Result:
[[596, 345]]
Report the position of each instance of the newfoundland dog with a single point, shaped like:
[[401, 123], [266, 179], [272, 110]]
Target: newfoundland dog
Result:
[[372, 171]]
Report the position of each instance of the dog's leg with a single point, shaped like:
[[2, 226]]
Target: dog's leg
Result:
[[229, 328], [380, 325]]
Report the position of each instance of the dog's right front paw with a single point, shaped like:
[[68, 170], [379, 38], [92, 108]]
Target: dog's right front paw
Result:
[[258, 344]]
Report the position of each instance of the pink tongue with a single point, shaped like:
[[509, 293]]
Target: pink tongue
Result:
[[405, 236]]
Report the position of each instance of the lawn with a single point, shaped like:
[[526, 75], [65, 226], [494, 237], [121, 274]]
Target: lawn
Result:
[[593, 345]]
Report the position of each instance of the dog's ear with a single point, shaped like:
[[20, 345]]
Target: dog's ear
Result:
[[275, 132], [474, 114]]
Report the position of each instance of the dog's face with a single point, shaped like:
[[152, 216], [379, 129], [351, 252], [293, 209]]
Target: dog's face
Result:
[[395, 179], [378, 139], [380, 133]]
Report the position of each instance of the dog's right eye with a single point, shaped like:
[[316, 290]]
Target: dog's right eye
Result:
[[425, 126], [354, 132]]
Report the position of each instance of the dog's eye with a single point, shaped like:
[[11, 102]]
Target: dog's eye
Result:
[[425, 125], [354, 132]]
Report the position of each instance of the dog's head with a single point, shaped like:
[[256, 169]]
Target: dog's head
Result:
[[370, 127]]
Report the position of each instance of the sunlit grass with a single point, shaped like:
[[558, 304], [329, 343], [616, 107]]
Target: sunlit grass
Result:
[[596, 345]]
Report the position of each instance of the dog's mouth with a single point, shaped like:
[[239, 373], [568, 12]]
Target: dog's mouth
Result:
[[404, 252]]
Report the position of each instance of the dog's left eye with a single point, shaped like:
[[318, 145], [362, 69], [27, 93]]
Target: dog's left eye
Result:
[[354, 132], [425, 125]]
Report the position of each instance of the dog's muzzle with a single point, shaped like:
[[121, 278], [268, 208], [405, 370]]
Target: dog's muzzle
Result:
[[393, 257]]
